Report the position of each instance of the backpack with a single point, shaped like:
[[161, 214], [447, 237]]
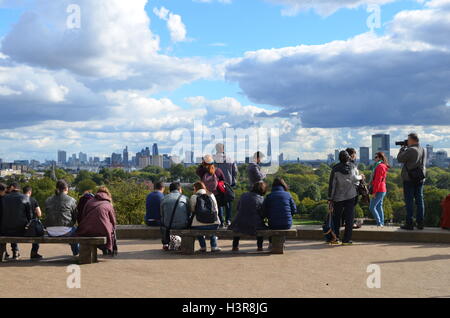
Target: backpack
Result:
[[211, 181], [204, 211]]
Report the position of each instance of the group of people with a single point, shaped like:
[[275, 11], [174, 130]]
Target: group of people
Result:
[[93, 215], [207, 209], [346, 181]]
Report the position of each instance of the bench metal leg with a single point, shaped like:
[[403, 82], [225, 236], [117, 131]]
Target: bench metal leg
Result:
[[2, 253], [187, 245], [85, 254], [278, 244]]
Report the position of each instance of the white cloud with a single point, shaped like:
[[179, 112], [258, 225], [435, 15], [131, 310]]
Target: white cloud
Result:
[[176, 27]]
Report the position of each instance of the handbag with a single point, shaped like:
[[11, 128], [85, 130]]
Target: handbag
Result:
[[34, 228]]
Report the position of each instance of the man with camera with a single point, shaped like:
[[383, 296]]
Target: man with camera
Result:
[[413, 157]]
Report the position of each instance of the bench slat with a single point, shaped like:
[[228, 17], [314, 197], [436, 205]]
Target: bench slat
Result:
[[54, 240], [230, 234]]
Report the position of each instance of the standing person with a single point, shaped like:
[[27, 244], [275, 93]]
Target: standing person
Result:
[[61, 214], [153, 205], [204, 205], [413, 156], [85, 198], [378, 186], [174, 213], [3, 188], [230, 171], [210, 176], [249, 218], [99, 219], [343, 195], [16, 215], [254, 169], [279, 207]]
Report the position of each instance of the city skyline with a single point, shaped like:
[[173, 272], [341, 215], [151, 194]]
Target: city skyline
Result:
[[321, 74]]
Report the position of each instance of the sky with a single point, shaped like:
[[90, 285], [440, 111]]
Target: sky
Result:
[[95, 76]]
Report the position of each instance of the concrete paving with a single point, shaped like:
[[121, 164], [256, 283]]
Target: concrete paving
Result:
[[307, 269]]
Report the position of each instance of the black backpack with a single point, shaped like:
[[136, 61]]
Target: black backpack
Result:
[[223, 198], [204, 211]]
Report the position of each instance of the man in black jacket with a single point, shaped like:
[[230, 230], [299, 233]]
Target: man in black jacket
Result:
[[16, 215]]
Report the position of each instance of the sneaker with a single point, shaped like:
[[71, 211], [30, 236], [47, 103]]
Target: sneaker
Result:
[[228, 223], [347, 243], [221, 226], [259, 249], [166, 248], [408, 227], [35, 257], [216, 249], [335, 242], [235, 249], [16, 256]]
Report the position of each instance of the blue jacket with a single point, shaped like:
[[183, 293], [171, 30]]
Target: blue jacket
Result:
[[153, 206], [279, 208]]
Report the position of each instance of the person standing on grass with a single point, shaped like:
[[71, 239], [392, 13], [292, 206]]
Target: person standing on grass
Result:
[[378, 186], [205, 203], [153, 205], [343, 196], [249, 218], [61, 214]]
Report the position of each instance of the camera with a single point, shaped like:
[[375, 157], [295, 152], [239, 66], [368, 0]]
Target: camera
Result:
[[403, 143]]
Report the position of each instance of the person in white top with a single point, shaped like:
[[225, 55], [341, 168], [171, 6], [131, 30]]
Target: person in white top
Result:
[[202, 211]]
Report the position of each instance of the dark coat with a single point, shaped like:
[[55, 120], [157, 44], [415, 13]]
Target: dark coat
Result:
[[16, 213], [249, 217], [99, 219], [279, 208], [60, 210], [81, 204]]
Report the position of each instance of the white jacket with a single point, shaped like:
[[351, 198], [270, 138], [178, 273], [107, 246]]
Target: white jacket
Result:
[[193, 203]]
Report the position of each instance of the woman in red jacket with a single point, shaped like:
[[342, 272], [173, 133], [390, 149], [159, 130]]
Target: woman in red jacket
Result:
[[378, 184]]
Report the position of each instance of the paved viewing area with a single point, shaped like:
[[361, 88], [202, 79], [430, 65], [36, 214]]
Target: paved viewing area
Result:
[[307, 269]]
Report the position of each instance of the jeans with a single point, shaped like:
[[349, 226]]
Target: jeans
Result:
[[75, 247], [225, 210], [344, 210], [34, 247], [414, 194], [259, 241], [376, 207], [202, 240]]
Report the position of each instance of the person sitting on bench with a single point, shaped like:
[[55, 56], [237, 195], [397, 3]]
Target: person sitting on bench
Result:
[[249, 217], [99, 219], [205, 214], [61, 214], [153, 205], [279, 207]]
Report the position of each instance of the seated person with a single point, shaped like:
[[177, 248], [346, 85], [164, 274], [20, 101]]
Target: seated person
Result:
[[204, 203], [249, 217], [153, 205], [279, 206]]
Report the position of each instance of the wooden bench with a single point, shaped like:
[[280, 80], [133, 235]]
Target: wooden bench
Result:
[[188, 237], [88, 245]]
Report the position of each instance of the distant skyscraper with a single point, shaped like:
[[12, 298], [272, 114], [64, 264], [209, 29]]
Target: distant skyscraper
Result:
[[125, 157], [381, 143], [62, 157], [364, 154], [155, 151], [116, 159], [430, 152], [83, 157], [269, 148]]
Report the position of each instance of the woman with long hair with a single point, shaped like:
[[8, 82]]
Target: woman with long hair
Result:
[[378, 186]]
